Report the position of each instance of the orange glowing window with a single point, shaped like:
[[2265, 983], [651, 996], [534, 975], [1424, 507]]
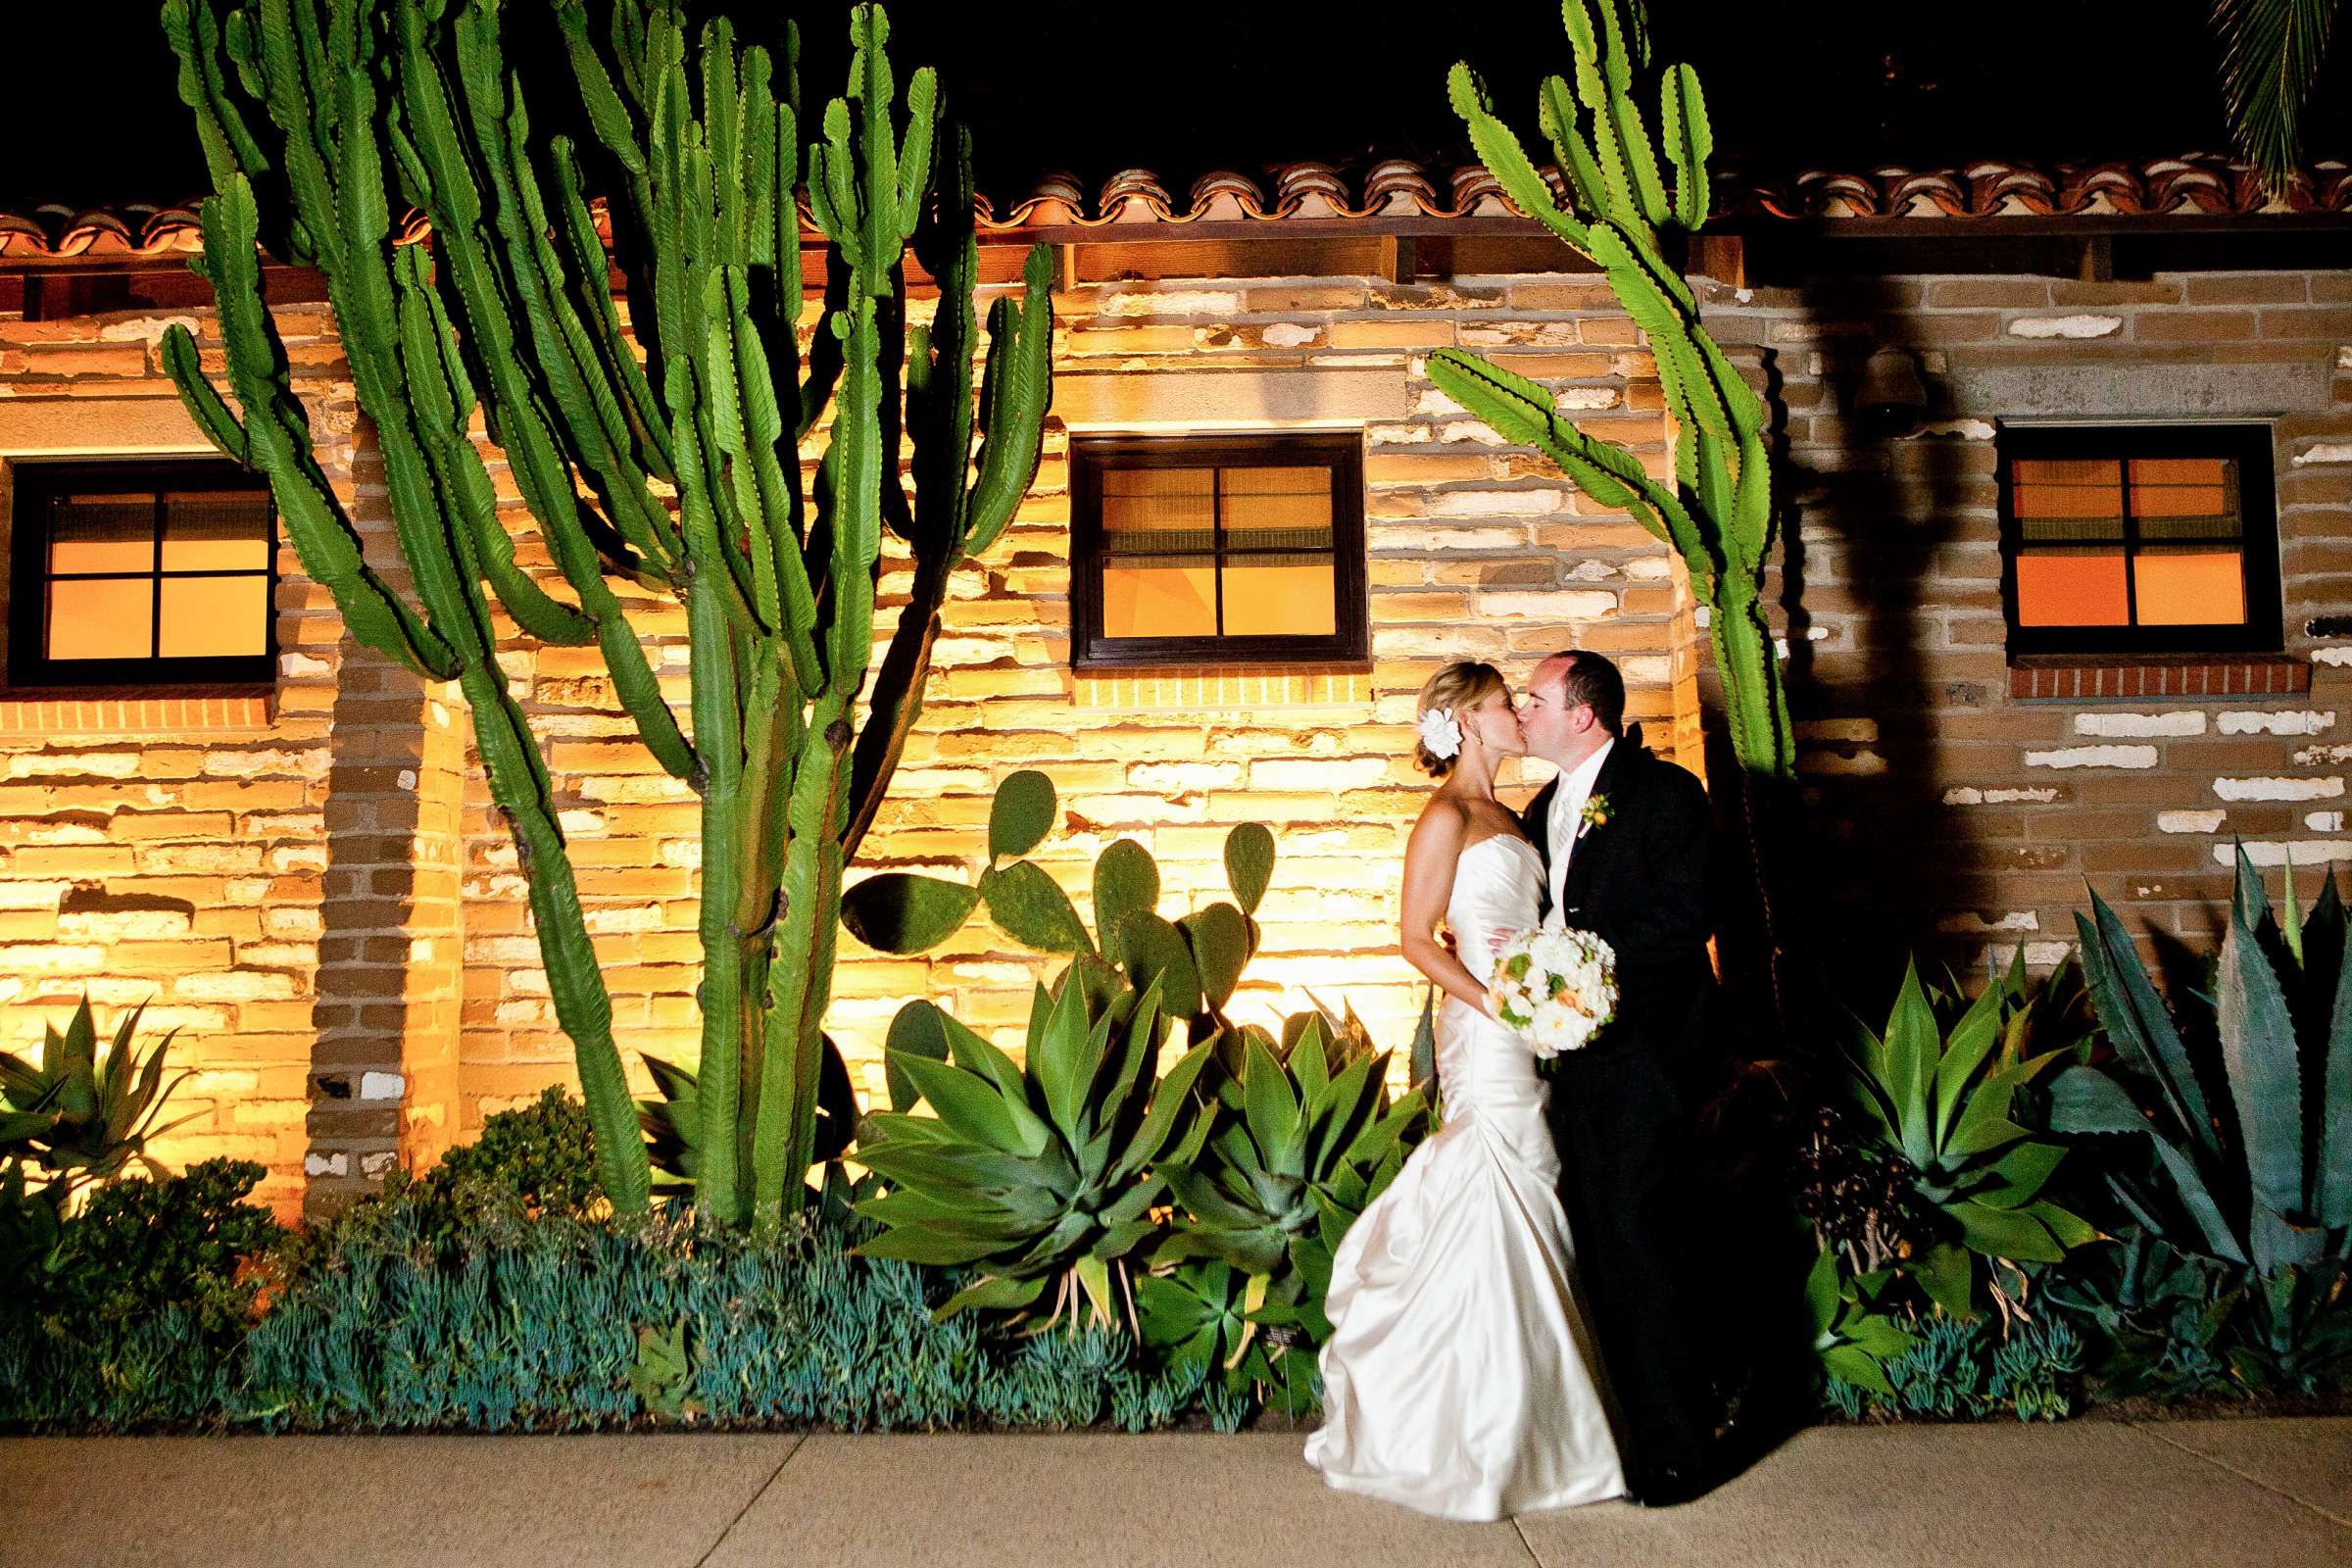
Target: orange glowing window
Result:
[[140, 572], [2140, 539], [1217, 551]]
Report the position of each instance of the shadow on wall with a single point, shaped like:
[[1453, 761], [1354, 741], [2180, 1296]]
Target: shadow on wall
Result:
[[1887, 526]]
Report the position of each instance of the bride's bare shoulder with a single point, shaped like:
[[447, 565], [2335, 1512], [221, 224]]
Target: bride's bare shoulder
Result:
[[1443, 828]]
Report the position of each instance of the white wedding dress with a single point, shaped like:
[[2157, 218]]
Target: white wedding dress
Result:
[[1462, 1378]]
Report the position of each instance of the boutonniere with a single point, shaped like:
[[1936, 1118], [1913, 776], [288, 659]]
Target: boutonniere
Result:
[[1596, 813]]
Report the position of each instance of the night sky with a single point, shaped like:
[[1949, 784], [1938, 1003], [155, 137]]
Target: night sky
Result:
[[89, 117]]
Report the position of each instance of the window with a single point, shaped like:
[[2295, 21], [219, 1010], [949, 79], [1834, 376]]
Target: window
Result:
[[140, 573], [2123, 540], [1197, 552]]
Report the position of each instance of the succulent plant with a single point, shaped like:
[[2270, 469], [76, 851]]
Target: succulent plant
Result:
[[673, 1121], [1940, 1089], [1037, 1173], [1305, 1138], [678, 471], [1853, 1339], [2249, 1111], [1718, 510], [1197, 959], [80, 1117]]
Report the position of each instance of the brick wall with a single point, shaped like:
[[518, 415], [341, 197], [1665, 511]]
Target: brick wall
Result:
[[1968, 819], [323, 901], [1478, 550], [318, 896], [177, 857]]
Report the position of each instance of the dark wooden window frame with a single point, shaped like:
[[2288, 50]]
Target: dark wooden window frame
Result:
[[1349, 647], [34, 484], [2258, 535]]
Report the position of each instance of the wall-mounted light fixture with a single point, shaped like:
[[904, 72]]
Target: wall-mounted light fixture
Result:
[[1889, 398]]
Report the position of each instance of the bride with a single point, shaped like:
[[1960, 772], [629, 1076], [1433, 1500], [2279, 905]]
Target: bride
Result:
[[1460, 1377]]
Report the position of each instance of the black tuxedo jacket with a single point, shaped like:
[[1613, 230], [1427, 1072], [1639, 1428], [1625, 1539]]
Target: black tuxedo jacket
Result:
[[1644, 882]]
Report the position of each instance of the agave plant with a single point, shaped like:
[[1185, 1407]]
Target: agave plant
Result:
[[2252, 1130], [1196, 959], [1853, 1339], [673, 1125], [76, 1118], [1942, 1097], [1236, 1328], [1303, 1137], [1038, 1172]]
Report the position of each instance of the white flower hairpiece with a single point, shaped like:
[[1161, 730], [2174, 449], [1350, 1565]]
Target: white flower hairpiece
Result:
[[1441, 736]]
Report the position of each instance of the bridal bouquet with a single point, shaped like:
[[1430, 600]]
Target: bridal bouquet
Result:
[[1559, 988]]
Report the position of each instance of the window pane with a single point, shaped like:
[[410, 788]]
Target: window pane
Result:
[[1159, 602], [102, 533], [216, 531], [1290, 601], [2067, 501], [1277, 509], [2190, 588], [215, 618], [2072, 589], [102, 618], [1159, 510]]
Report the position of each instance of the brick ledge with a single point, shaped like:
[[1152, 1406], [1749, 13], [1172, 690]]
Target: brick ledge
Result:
[[2189, 676], [1243, 689], [25, 715]]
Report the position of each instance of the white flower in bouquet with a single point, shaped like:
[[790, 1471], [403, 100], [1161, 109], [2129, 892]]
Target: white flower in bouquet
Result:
[[1557, 988]]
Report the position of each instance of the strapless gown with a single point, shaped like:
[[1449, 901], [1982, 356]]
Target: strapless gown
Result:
[[1460, 1378]]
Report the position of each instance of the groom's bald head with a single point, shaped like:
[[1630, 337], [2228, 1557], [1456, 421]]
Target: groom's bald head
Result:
[[1575, 704]]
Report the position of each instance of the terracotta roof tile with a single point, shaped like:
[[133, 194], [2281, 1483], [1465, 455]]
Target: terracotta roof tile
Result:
[[1397, 189]]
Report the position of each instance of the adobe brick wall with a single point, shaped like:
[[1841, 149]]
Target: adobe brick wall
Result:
[[1963, 818], [326, 907], [1477, 549], [185, 866]]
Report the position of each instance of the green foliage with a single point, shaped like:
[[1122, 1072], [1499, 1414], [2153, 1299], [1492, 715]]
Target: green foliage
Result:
[[1620, 215], [79, 1117], [559, 1324], [1424, 1058], [1303, 1137], [136, 1308], [2271, 55], [674, 1127], [1968, 1369], [2248, 1111], [1220, 1325], [1853, 1338], [678, 472], [2173, 1325], [1944, 1089], [1035, 1173], [2223, 1132], [536, 1159], [544, 1153], [1197, 959]]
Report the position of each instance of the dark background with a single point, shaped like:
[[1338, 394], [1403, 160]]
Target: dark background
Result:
[[90, 115]]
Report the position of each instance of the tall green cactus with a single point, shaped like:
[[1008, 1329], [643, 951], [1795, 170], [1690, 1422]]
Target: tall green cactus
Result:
[[679, 472], [1718, 512]]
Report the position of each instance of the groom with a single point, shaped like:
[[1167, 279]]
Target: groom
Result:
[[1625, 838]]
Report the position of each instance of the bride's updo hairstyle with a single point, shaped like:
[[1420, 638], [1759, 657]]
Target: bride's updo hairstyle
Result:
[[1461, 685]]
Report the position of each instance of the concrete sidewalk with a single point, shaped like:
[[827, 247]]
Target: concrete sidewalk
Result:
[[2279, 1492]]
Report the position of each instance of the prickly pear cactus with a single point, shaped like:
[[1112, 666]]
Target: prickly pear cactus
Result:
[[1197, 959]]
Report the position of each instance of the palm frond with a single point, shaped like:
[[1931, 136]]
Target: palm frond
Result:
[[2271, 52]]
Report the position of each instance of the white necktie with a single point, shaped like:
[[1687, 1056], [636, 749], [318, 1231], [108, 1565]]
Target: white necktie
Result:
[[1561, 832]]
